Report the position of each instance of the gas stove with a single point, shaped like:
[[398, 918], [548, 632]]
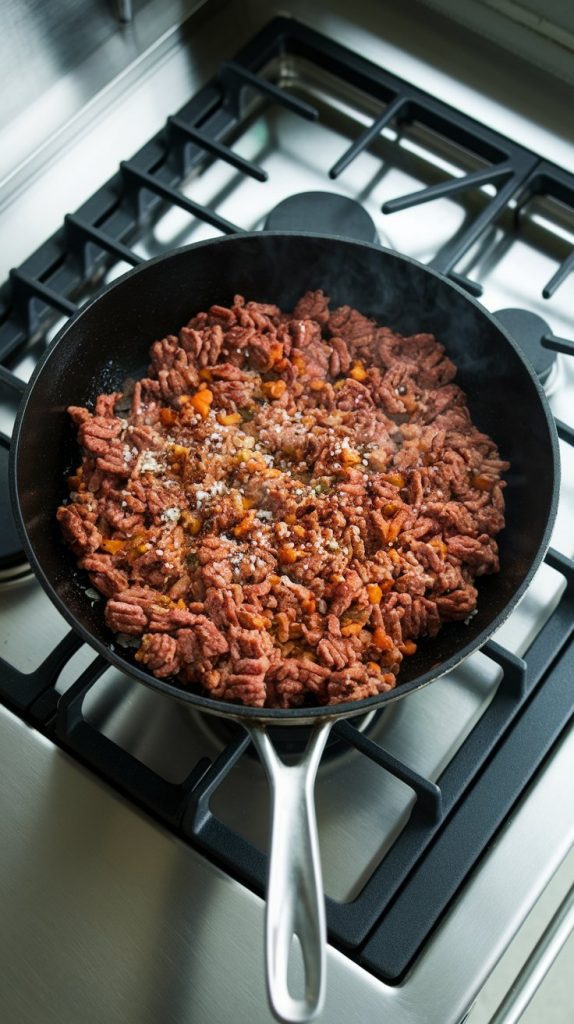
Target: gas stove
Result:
[[136, 830]]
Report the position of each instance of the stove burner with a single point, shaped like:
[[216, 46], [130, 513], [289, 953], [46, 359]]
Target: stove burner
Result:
[[13, 564], [527, 330], [325, 212]]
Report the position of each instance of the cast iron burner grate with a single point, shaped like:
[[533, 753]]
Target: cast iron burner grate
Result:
[[14, 566], [453, 820]]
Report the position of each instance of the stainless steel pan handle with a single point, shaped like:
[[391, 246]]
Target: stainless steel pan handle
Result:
[[295, 902]]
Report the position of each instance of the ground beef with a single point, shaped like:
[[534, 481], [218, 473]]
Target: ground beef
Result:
[[291, 503]]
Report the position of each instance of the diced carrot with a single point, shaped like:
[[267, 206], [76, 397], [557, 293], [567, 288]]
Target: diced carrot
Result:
[[397, 479], [408, 648], [373, 667], [287, 556], [252, 620], [228, 419], [256, 464], [309, 605], [351, 628], [167, 417], [316, 384], [382, 640], [298, 361], [274, 579], [350, 457], [290, 518], [113, 546], [375, 593], [394, 556], [246, 524], [191, 523], [276, 351], [299, 531], [201, 402], [358, 371], [395, 527], [439, 545], [274, 388], [179, 451]]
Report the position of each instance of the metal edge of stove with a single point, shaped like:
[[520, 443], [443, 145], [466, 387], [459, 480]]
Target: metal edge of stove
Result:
[[87, 91], [126, 901], [542, 39]]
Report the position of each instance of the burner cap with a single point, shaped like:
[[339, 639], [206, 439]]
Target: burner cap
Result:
[[13, 564], [527, 330], [325, 212]]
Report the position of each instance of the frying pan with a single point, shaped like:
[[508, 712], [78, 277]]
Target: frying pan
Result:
[[109, 340]]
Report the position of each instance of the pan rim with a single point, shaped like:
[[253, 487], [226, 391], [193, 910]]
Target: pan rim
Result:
[[279, 716]]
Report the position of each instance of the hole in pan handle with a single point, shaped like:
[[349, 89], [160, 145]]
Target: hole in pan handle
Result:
[[295, 901]]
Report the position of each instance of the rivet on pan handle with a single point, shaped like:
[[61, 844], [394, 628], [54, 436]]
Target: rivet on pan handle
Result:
[[295, 901]]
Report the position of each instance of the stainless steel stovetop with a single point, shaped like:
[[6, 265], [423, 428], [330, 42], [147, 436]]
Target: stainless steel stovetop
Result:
[[108, 915]]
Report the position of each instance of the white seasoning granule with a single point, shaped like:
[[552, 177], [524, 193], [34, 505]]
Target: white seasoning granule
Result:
[[148, 463], [171, 515]]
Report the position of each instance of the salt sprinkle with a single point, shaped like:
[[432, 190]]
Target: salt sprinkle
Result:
[[171, 515], [148, 463]]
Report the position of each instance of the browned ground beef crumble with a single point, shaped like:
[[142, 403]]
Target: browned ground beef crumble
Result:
[[286, 503]]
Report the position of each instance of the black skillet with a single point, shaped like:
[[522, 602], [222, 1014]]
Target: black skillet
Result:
[[108, 341]]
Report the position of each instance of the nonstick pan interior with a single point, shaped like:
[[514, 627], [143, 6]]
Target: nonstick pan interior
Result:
[[109, 341]]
